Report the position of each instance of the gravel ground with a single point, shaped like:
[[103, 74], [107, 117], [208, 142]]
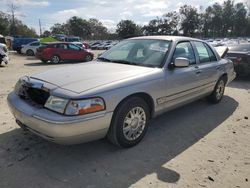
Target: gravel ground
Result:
[[198, 145]]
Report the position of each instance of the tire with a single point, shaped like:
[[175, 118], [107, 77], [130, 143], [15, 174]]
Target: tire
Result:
[[88, 58], [30, 52], [55, 59], [129, 132], [218, 92]]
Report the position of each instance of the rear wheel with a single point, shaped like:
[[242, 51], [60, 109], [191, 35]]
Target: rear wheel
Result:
[[30, 52], [129, 123], [218, 91], [55, 59]]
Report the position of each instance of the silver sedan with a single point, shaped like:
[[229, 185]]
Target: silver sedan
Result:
[[116, 95]]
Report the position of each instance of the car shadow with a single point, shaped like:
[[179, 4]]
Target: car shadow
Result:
[[26, 160], [240, 83], [31, 58]]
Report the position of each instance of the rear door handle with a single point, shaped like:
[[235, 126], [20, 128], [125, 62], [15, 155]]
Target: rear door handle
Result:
[[218, 67]]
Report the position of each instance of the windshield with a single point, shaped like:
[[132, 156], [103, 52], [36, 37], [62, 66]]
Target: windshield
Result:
[[142, 52]]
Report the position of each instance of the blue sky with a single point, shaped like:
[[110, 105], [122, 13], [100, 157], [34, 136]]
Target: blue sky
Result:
[[110, 12]]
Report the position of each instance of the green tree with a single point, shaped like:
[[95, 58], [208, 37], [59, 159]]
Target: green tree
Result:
[[127, 28], [169, 23], [24, 30], [59, 29], [4, 24], [98, 30], [189, 20], [240, 20], [153, 27], [46, 33], [79, 27], [228, 18], [166, 25]]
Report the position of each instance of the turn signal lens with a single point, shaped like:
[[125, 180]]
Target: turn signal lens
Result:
[[81, 107]]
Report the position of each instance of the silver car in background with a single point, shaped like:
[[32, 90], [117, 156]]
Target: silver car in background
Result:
[[116, 95], [30, 49]]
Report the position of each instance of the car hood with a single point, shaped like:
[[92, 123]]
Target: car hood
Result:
[[80, 78]]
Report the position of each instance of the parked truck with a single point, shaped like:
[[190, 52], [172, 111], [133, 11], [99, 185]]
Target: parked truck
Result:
[[18, 42]]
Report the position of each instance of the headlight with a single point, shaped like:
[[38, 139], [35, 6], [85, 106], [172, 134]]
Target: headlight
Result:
[[56, 104], [18, 87], [80, 107]]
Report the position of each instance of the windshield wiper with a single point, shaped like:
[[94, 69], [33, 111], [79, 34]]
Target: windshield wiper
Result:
[[104, 59], [126, 62]]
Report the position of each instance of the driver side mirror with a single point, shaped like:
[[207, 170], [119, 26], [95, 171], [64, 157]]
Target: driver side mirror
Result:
[[181, 62]]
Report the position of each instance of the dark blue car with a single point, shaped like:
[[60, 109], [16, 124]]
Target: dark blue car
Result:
[[18, 42]]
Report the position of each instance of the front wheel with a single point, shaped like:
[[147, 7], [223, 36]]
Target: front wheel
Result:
[[55, 59], [30, 53], [129, 123], [88, 58], [218, 91]]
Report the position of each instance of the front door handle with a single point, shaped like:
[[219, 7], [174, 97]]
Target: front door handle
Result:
[[198, 72]]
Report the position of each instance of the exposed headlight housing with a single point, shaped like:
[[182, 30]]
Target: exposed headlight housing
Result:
[[81, 107], [75, 107], [56, 104]]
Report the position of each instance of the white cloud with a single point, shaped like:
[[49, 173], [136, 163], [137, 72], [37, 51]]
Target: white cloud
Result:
[[110, 12], [126, 15], [110, 24], [28, 3], [152, 8]]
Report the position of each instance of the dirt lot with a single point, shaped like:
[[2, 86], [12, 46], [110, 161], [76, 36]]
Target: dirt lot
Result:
[[198, 145]]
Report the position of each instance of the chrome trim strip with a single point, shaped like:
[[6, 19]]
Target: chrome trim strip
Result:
[[178, 95]]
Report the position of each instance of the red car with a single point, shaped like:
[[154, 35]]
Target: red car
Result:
[[56, 52]]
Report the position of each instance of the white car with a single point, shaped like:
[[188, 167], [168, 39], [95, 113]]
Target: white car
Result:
[[79, 44], [30, 49], [4, 54]]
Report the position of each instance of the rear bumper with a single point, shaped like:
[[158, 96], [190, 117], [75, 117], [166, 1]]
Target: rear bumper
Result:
[[23, 51], [231, 77], [242, 69], [58, 128]]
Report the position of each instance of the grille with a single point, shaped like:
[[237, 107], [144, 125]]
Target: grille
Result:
[[38, 96], [35, 96]]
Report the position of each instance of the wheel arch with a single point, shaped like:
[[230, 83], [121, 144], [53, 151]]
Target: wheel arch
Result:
[[30, 50], [55, 54], [225, 77], [143, 95]]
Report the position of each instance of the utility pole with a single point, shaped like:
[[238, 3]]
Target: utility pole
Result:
[[40, 27], [12, 9]]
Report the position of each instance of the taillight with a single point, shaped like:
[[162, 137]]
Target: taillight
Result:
[[237, 60]]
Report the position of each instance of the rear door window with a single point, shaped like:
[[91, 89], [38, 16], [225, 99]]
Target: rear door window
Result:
[[202, 52], [211, 53], [35, 44], [74, 47], [62, 46]]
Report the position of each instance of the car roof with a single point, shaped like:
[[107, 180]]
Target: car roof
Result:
[[167, 37], [58, 43]]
